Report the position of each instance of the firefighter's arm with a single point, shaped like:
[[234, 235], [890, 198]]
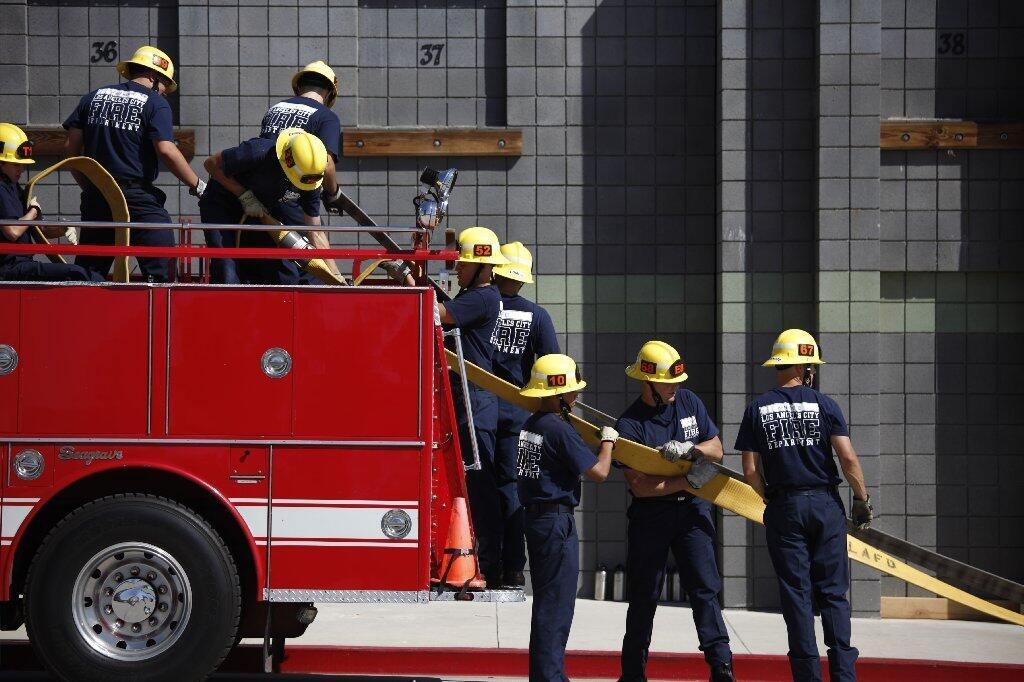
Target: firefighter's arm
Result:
[[319, 240], [712, 449], [216, 171], [446, 317], [599, 472], [646, 485], [13, 232], [750, 472], [176, 163], [73, 145], [850, 463]]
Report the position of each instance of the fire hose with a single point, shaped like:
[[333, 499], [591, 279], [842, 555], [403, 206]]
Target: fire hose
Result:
[[727, 490]]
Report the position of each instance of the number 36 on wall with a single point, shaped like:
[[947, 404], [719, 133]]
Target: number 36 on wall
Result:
[[105, 51]]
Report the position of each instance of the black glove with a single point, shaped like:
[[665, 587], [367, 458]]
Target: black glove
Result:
[[862, 513], [335, 204]]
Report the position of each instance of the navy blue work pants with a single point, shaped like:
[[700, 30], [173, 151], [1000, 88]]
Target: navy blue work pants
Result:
[[482, 484], [688, 530], [513, 546], [806, 533], [145, 205], [28, 270], [553, 546], [222, 270]]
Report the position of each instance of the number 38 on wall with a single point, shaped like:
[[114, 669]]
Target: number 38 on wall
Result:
[[103, 51]]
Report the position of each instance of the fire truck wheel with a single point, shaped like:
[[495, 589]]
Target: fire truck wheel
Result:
[[133, 587]]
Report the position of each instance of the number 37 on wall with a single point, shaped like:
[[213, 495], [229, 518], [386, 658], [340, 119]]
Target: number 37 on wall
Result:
[[431, 54]]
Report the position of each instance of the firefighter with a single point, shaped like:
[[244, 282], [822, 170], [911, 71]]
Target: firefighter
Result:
[[127, 128], [523, 333], [316, 89], [787, 438], [15, 157], [259, 178], [665, 515], [551, 459], [474, 312]]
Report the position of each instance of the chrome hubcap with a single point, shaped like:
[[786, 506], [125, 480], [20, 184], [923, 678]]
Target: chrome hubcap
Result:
[[131, 601]]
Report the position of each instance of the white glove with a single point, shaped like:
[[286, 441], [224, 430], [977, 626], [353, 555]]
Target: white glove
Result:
[[673, 451], [253, 207], [608, 434], [701, 471], [34, 203], [198, 190], [71, 234]]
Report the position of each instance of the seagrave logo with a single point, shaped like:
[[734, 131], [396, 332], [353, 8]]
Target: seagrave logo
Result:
[[88, 456]]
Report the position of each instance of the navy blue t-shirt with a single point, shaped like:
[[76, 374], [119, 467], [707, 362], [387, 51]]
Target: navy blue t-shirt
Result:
[[522, 333], [12, 208], [255, 166], [475, 311], [551, 458], [119, 124], [305, 113], [791, 428], [684, 419]]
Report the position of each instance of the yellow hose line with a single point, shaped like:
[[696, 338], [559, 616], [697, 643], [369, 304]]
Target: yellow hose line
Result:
[[110, 190], [736, 496]]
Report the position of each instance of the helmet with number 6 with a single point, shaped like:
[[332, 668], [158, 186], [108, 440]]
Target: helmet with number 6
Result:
[[659, 362], [553, 374], [794, 347]]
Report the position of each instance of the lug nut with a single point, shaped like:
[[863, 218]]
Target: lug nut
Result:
[[135, 570], [153, 621], [118, 578], [118, 623], [136, 627], [108, 609], [109, 591], [162, 607], [151, 576], [162, 589]]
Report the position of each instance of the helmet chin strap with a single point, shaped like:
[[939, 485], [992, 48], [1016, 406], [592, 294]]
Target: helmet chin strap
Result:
[[564, 408], [655, 396]]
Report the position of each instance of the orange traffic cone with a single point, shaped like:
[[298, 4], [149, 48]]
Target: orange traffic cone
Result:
[[459, 568]]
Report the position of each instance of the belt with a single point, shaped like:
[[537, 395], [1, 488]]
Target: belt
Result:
[[803, 490], [549, 508], [681, 497]]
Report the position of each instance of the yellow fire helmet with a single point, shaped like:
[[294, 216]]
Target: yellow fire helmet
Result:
[[319, 68], [658, 362], [520, 263], [151, 58], [480, 245], [303, 158], [553, 374], [794, 347], [15, 147]]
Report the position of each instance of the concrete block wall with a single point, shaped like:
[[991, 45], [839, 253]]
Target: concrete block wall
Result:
[[950, 285], [697, 171]]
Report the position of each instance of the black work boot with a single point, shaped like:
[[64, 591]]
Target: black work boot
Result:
[[722, 673], [513, 579]]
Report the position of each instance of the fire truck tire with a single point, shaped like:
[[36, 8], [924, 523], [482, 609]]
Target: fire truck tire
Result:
[[132, 587]]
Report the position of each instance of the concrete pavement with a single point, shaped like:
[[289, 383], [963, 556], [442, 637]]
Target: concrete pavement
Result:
[[598, 626]]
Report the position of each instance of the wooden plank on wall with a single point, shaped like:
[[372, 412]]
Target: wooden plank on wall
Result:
[[935, 608], [918, 134], [49, 140], [432, 142]]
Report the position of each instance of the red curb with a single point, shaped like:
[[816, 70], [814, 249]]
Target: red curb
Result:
[[338, 660]]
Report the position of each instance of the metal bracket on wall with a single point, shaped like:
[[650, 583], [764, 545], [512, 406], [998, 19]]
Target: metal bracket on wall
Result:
[[49, 140], [950, 134], [432, 142]]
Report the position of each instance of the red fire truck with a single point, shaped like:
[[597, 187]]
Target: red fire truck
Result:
[[185, 465]]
